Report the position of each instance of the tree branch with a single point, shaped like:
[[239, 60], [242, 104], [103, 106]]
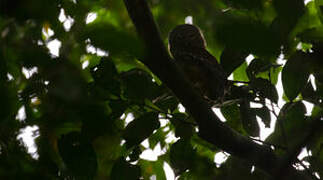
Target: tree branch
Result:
[[210, 127]]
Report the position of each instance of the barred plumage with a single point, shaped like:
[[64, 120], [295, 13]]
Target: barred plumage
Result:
[[188, 47]]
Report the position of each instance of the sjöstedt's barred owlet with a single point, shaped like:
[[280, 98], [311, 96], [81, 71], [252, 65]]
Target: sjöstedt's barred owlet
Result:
[[188, 47]]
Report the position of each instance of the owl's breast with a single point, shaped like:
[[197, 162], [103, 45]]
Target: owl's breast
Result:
[[206, 77]]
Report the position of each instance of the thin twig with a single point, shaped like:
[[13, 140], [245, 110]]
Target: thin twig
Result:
[[269, 144]]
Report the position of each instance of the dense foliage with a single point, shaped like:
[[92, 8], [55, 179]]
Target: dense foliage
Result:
[[82, 98]]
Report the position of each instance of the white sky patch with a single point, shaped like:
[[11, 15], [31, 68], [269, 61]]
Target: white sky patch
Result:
[[281, 59], [312, 79], [309, 107], [21, 115], [264, 132], [90, 49], [9, 76], [85, 64], [255, 105], [68, 23], [317, 175], [34, 100], [279, 85], [299, 46], [93, 50], [280, 90], [152, 155], [163, 122], [54, 46], [165, 129], [219, 114], [220, 158], [181, 108], [149, 155], [129, 118], [249, 58], [101, 52], [170, 137], [153, 177], [307, 1], [90, 17], [188, 20], [28, 136], [252, 169], [168, 171], [40, 43], [47, 32], [145, 143], [122, 142], [230, 77], [62, 16], [301, 155], [123, 115], [5, 32], [29, 72]]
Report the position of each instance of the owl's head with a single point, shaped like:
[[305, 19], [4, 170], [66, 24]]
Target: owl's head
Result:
[[186, 36]]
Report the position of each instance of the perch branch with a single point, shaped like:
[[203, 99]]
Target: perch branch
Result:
[[210, 127]]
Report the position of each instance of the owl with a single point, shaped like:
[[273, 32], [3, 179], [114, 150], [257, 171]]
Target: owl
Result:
[[188, 47]]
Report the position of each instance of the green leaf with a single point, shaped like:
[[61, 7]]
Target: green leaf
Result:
[[78, 155], [106, 77], [117, 107], [256, 66], [248, 119], [265, 89], [246, 4], [295, 75], [319, 5], [309, 94], [141, 128], [264, 114], [231, 59], [310, 20], [274, 74], [292, 114], [151, 105], [105, 70], [184, 131], [312, 35], [139, 86], [96, 121], [38, 10], [240, 73], [122, 170], [182, 155], [158, 137], [232, 115], [238, 30], [317, 112], [108, 37], [168, 103], [135, 153], [183, 128], [150, 168], [292, 126], [289, 9]]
